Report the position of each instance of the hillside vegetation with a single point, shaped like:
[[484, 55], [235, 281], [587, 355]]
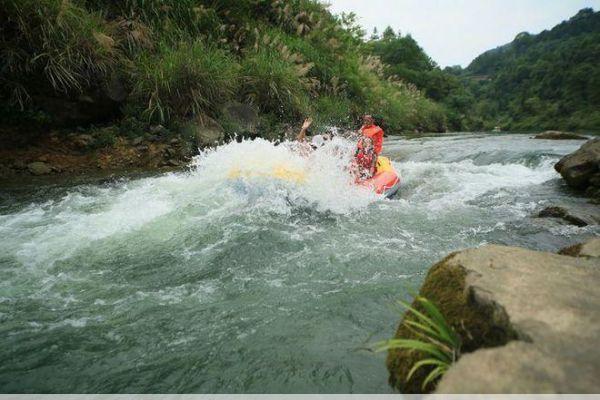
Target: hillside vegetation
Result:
[[135, 63], [545, 81]]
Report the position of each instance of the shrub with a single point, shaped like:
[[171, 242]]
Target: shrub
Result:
[[274, 85], [53, 45], [190, 79]]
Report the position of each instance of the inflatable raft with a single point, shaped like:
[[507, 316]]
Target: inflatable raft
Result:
[[386, 180]]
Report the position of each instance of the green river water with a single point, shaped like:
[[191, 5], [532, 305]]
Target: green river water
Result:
[[200, 282]]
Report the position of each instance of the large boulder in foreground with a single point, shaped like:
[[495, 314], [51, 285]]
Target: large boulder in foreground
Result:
[[581, 169], [529, 322]]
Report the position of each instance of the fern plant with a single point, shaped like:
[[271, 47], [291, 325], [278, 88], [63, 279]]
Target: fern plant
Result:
[[435, 338]]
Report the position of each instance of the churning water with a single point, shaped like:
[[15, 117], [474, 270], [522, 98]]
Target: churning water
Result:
[[229, 279]]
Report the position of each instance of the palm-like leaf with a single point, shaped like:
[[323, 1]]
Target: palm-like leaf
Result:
[[437, 339]]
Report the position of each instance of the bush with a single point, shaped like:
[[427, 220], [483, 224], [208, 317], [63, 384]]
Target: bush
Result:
[[190, 79], [274, 85], [53, 45]]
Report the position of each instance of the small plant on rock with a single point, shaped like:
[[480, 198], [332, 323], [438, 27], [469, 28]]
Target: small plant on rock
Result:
[[435, 338]]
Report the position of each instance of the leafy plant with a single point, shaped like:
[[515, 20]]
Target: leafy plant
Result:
[[435, 338]]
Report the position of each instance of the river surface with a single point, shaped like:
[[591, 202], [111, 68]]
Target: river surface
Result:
[[229, 279]]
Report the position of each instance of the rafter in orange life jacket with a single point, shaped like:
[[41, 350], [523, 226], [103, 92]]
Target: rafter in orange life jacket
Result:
[[376, 134]]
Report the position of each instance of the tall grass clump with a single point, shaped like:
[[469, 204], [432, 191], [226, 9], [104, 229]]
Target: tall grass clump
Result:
[[183, 81], [51, 46], [274, 85], [434, 337]]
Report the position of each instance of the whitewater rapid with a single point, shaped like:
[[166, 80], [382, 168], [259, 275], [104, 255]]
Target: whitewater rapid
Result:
[[228, 278]]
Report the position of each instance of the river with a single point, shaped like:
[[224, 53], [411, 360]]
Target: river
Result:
[[219, 281]]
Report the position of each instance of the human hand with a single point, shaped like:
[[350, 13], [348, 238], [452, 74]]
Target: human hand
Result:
[[307, 123]]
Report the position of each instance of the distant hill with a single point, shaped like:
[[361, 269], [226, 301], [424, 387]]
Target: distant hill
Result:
[[548, 80]]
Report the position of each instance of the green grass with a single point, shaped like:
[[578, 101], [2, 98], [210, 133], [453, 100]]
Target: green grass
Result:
[[274, 84], [183, 81], [436, 339]]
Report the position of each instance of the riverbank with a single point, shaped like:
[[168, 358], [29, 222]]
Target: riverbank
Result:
[[92, 153]]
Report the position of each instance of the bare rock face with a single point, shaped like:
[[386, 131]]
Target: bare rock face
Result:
[[558, 135], [529, 322], [581, 169]]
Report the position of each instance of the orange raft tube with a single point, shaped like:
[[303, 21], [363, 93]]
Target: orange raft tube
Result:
[[386, 180]]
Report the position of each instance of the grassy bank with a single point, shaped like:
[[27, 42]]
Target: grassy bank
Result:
[[138, 63]]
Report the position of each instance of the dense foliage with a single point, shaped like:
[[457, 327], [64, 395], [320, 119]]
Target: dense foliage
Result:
[[406, 60], [550, 80], [168, 61]]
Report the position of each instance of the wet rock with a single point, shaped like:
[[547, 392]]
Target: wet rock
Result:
[[529, 322], [575, 215], [591, 248], [39, 168], [205, 135], [159, 130], [115, 89], [174, 163], [174, 141], [169, 152], [19, 165], [558, 135], [83, 141], [242, 118], [581, 168]]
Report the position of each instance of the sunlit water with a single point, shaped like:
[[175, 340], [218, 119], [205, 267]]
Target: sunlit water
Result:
[[221, 281]]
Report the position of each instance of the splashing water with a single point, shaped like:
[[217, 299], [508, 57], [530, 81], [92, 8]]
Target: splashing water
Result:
[[259, 270]]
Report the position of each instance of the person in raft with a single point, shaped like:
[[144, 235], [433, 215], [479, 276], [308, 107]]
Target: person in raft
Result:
[[316, 141], [365, 159], [371, 130]]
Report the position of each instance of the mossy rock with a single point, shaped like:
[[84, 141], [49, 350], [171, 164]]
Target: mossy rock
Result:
[[477, 326]]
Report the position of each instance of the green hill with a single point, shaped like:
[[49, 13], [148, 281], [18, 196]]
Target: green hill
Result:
[[546, 81]]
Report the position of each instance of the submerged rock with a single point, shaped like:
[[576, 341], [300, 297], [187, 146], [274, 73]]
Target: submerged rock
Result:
[[39, 168], [575, 215], [558, 135], [581, 169], [529, 322]]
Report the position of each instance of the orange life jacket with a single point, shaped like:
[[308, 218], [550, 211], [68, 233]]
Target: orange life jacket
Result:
[[376, 134]]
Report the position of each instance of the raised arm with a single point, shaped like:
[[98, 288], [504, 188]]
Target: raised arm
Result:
[[302, 135]]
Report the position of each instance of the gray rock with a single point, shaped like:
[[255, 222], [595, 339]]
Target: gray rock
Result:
[[174, 163], [242, 117], [551, 301], [83, 141], [578, 168], [159, 130], [39, 168], [558, 135], [115, 89], [20, 165], [205, 136], [576, 215], [137, 141]]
